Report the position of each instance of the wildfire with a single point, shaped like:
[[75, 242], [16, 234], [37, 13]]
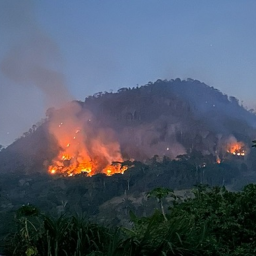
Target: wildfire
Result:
[[89, 152], [73, 169], [74, 159], [236, 148]]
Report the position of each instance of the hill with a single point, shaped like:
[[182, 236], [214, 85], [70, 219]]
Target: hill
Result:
[[165, 118], [172, 134]]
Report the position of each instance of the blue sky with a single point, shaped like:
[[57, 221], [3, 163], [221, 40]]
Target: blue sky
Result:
[[106, 45]]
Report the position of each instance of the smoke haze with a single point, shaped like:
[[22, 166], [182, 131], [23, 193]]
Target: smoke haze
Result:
[[31, 80]]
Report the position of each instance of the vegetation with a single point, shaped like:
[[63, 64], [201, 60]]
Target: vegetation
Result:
[[181, 115], [213, 221], [151, 209], [108, 200]]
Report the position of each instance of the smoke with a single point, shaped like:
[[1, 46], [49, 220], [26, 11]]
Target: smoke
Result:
[[229, 145], [32, 57], [83, 146], [145, 141], [232, 144], [30, 62], [86, 145]]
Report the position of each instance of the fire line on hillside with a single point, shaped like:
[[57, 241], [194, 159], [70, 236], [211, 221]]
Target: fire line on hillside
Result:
[[82, 147], [74, 159]]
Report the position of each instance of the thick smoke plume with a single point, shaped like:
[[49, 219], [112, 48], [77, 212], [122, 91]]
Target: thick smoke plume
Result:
[[32, 61], [30, 68], [32, 58]]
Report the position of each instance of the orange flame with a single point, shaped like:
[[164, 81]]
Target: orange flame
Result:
[[81, 153], [236, 148], [74, 159]]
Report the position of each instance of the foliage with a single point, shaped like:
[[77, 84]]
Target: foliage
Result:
[[214, 221], [160, 193], [39, 234], [228, 216]]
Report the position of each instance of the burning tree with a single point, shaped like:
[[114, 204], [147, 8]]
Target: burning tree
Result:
[[83, 147]]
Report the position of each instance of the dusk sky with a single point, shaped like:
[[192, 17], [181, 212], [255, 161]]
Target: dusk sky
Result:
[[54, 51]]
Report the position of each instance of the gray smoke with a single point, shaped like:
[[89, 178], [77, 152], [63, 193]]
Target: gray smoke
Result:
[[30, 66], [32, 58]]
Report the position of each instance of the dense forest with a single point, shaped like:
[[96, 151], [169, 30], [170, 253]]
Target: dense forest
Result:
[[212, 221], [172, 137]]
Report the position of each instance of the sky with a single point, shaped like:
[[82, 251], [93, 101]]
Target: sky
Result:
[[55, 51]]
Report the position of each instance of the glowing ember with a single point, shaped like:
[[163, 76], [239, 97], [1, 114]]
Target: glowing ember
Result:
[[71, 166], [116, 168], [236, 148], [52, 171], [218, 160], [89, 152]]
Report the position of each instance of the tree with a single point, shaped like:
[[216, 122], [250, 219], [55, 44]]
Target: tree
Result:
[[160, 194]]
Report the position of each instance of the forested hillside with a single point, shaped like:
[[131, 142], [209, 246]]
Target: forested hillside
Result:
[[165, 118], [100, 157]]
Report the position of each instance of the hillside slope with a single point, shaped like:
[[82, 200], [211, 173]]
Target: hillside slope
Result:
[[163, 118]]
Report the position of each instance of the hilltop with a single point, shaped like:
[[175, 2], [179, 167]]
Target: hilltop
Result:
[[164, 118]]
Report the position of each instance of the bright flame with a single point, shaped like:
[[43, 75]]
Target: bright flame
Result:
[[116, 168], [236, 148], [52, 171], [83, 150]]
